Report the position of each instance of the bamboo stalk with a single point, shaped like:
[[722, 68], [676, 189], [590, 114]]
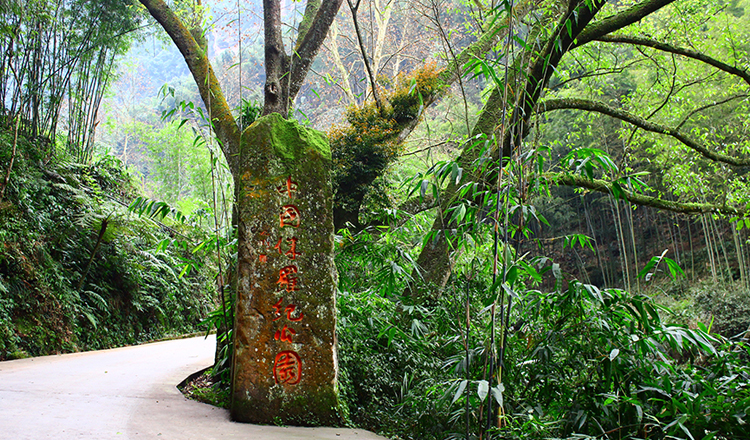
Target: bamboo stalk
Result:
[[709, 248], [621, 244], [738, 252], [671, 235], [12, 158], [593, 236], [720, 239], [632, 241], [678, 249], [692, 252]]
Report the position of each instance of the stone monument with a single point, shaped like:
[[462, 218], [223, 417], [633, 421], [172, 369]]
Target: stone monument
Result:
[[285, 368]]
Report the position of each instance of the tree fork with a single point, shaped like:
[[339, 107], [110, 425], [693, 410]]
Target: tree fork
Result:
[[434, 258]]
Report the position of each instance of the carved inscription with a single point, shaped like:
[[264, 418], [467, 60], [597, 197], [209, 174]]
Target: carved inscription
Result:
[[285, 314], [287, 367]]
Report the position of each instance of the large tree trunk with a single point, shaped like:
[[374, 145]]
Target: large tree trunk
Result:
[[574, 29], [284, 75]]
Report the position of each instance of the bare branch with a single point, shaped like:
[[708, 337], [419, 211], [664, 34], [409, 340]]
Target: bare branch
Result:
[[689, 53], [375, 93], [640, 199], [595, 73], [708, 106], [599, 107], [476, 50]]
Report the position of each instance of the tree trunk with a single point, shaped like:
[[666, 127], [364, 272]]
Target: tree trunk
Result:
[[284, 78], [575, 28], [12, 158]]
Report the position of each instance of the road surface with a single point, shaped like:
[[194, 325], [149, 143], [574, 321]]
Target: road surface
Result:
[[126, 393]]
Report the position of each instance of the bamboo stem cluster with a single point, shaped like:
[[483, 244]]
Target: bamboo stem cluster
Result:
[[56, 59]]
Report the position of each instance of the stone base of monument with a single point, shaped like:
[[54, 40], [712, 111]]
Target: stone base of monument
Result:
[[285, 367]]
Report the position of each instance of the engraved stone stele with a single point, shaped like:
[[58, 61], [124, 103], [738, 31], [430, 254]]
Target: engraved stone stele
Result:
[[285, 368]]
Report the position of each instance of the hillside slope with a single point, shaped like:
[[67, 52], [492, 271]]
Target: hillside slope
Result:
[[77, 270]]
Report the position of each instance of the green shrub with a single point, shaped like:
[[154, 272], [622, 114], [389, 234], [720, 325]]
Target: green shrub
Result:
[[77, 271], [727, 306], [579, 362]]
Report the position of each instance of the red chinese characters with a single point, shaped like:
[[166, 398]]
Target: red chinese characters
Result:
[[262, 245], [288, 278], [292, 252], [289, 187], [289, 216], [289, 310], [287, 368], [285, 334]]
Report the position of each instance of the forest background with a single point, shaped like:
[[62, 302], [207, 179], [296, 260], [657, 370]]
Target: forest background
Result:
[[619, 302]]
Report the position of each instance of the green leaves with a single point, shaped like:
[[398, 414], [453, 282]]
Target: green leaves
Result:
[[741, 223], [583, 240], [155, 209], [460, 390], [586, 161], [652, 266]]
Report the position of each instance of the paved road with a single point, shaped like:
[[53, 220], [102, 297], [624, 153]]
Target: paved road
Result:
[[125, 393]]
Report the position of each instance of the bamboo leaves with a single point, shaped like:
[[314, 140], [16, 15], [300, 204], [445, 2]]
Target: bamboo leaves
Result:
[[652, 267], [56, 60]]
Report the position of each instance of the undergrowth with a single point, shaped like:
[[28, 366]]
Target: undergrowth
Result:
[[77, 271], [579, 361]]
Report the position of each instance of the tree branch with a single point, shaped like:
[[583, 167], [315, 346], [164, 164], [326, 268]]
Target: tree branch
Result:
[[640, 199], [708, 106], [689, 53], [478, 49], [344, 84], [219, 112], [311, 9], [485, 42], [418, 204], [375, 93], [311, 42], [12, 158], [571, 24], [618, 21], [599, 107], [276, 91]]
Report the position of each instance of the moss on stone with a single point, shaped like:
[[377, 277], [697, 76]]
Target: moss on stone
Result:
[[288, 138], [278, 154]]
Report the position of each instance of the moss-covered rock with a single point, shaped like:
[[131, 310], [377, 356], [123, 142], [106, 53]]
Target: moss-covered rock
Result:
[[285, 368]]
